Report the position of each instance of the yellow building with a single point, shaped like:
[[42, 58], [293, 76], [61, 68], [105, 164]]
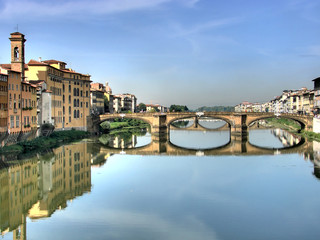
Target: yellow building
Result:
[[70, 92], [18, 193]]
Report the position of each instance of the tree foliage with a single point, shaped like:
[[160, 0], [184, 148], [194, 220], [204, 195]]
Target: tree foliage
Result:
[[142, 107], [215, 109], [178, 108]]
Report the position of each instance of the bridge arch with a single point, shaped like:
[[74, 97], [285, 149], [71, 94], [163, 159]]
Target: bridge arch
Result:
[[302, 123], [227, 120]]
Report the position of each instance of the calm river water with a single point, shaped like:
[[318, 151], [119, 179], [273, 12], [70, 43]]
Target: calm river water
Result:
[[200, 185]]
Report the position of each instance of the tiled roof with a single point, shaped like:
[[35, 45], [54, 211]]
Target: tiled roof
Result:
[[16, 33], [52, 61], [6, 66], [36, 63]]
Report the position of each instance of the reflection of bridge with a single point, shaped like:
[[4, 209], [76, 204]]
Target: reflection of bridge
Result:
[[237, 122], [233, 147]]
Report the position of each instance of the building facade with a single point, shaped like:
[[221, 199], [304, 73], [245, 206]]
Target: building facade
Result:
[[3, 102], [70, 92]]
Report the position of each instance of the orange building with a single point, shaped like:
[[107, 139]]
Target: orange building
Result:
[[3, 102], [21, 96]]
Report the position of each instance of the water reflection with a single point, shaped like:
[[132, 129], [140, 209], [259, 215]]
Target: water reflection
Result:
[[199, 139], [203, 143], [127, 139], [37, 187], [273, 138]]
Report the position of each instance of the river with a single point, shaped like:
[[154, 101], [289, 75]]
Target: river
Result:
[[199, 185]]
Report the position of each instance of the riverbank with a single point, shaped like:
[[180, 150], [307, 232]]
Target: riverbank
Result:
[[293, 127], [39, 144], [123, 125]]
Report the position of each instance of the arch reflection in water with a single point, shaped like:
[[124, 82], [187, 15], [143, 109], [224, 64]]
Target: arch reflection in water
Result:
[[199, 139], [273, 138], [37, 187], [124, 140], [231, 146]]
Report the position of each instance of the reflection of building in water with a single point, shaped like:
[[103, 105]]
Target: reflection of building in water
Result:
[[123, 142], [285, 137], [19, 191], [314, 157], [64, 175], [38, 186]]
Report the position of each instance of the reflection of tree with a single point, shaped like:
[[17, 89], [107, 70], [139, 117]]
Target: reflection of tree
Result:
[[181, 123], [37, 187], [123, 139]]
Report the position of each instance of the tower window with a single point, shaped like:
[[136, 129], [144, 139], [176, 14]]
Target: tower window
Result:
[[16, 53]]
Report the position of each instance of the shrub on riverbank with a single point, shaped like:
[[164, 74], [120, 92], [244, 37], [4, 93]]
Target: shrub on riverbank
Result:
[[284, 123], [41, 143], [123, 124]]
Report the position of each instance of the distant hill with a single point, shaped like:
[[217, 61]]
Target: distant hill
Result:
[[215, 109]]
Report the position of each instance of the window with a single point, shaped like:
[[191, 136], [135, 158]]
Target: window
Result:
[[16, 53], [69, 99], [17, 121], [69, 88], [11, 121], [75, 114]]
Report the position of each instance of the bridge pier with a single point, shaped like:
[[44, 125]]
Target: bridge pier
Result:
[[196, 122], [239, 128], [159, 128]]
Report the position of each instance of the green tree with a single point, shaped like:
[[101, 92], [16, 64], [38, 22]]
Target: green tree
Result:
[[178, 108], [142, 107]]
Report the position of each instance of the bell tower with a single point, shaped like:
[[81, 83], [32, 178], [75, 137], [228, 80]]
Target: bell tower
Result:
[[17, 52]]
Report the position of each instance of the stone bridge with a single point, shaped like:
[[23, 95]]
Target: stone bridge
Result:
[[237, 122], [233, 147]]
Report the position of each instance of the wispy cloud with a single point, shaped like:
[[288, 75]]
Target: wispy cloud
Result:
[[311, 51], [203, 27], [69, 8], [307, 9]]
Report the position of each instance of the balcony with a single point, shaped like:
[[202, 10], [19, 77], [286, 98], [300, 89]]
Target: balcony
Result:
[[15, 110]]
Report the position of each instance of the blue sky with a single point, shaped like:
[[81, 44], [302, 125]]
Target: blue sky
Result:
[[190, 52]]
